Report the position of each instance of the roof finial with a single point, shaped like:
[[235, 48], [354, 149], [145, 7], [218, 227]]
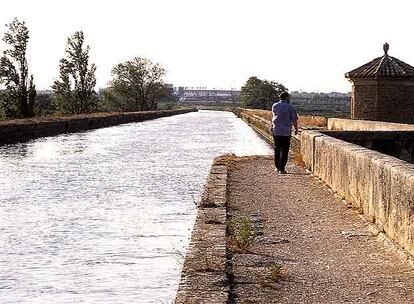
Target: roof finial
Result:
[[386, 47]]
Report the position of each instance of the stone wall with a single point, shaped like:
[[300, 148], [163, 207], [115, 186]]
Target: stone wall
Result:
[[204, 278], [379, 186], [24, 129], [395, 101], [363, 102], [339, 124], [383, 100], [399, 144]]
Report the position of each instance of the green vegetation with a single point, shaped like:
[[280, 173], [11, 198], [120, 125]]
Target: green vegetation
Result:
[[2, 99], [18, 96], [242, 233], [331, 104], [45, 104], [272, 275], [275, 272], [74, 91], [136, 85], [260, 94]]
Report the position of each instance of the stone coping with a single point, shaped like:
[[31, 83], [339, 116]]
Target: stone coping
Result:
[[204, 278], [340, 124]]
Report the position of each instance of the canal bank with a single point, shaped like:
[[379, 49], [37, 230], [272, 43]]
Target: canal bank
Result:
[[204, 276], [18, 130]]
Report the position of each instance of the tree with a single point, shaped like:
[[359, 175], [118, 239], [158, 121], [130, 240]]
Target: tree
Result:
[[45, 104], [19, 92], [260, 94], [74, 90], [2, 99], [136, 85]]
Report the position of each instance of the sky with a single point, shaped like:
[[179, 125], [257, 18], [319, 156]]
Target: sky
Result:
[[305, 45]]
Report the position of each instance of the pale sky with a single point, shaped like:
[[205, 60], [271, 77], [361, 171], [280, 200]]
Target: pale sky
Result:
[[306, 45]]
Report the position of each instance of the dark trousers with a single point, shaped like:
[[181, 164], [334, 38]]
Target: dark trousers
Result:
[[282, 144]]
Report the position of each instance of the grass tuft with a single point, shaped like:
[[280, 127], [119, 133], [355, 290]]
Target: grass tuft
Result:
[[272, 275], [242, 233]]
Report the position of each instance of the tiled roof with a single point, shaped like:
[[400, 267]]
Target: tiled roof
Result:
[[383, 67]]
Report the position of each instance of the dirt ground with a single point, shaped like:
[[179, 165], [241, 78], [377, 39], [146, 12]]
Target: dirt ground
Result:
[[308, 246]]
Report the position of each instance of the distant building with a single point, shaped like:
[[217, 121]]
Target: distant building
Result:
[[45, 92], [169, 89], [202, 94], [383, 89]]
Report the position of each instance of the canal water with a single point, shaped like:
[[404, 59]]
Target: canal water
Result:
[[105, 216]]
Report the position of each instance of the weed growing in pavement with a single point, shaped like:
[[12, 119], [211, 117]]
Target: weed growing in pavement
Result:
[[272, 275], [242, 233], [231, 204], [275, 272]]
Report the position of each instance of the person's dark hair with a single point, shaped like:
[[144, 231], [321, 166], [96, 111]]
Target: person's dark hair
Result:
[[284, 95]]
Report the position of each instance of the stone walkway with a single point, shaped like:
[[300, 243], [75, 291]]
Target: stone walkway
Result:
[[326, 251]]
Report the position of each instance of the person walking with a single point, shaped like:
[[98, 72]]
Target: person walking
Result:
[[284, 117]]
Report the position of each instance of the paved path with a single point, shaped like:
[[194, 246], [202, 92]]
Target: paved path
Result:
[[326, 250]]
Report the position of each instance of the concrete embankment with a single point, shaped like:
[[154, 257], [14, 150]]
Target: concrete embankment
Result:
[[380, 186], [24, 129]]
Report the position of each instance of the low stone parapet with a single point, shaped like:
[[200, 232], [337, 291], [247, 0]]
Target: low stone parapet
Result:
[[399, 144], [339, 124], [379, 186]]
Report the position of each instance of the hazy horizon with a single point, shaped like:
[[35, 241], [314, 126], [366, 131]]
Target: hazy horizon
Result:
[[304, 45]]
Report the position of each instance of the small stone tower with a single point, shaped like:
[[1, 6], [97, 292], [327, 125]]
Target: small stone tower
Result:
[[383, 89]]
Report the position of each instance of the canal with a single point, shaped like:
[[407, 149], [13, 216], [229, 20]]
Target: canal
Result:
[[105, 216]]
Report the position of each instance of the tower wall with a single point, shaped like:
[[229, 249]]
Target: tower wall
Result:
[[384, 100]]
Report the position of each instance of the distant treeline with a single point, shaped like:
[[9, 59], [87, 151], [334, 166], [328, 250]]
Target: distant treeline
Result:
[[261, 94], [136, 84], [315, 98], [332, 104]]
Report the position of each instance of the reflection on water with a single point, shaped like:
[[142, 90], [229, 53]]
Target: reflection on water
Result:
[[101, 216]]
